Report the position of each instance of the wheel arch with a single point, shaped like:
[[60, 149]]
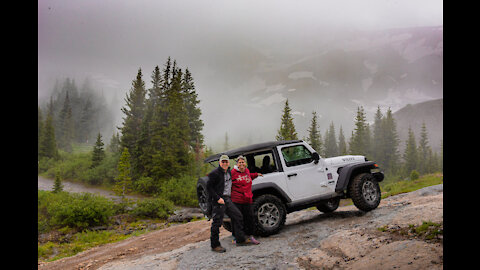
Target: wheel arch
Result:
[[270, 188], [346, 173]]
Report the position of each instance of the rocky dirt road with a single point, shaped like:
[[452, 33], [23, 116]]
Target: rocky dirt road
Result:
[[344, 239]]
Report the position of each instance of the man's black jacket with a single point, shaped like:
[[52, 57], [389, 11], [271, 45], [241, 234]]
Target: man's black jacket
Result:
[[216, 183]]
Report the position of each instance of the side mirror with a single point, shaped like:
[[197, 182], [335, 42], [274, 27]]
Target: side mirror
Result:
[[316, 157]]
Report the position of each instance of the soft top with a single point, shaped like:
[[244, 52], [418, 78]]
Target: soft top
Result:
[[241, 150]]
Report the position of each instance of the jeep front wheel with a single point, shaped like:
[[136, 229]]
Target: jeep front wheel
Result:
[[365, 192], [269, 214]]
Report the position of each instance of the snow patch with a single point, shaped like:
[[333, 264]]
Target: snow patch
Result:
[[274, 88], [301, 74], [299, 113], [273, 99]]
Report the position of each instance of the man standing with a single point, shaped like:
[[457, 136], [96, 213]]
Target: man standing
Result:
[[219, 187]]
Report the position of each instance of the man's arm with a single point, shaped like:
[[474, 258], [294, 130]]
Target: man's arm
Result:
[[212, 182]]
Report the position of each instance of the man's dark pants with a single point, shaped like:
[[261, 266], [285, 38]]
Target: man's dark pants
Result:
[[218, 211]]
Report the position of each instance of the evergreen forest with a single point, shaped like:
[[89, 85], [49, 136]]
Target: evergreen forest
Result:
[[159, 148]]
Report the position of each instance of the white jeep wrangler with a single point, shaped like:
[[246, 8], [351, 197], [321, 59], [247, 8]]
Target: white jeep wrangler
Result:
[[295, 178]]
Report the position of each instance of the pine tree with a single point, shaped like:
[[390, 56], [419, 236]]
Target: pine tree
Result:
[[57, 184], [66, 126], [378, 137], [48, 144], [410, 155], [423, 151], [85, 124], [123, 182], [390, 157], [114, 146], [161, 84], [151, 124], [287, 128], [342, 144], [40, 130], [193, 111], [314, 137], [358, 141], [368, 142], [98, 152], [174, 136], [134, 111], [331, 146]]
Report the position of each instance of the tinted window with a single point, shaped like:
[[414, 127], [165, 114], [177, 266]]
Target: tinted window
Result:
[[261, 162], [296, 155]]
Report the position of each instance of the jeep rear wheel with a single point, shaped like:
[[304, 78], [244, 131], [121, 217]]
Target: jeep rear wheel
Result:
[[365, 192], [202, 195], [329, 205], [269, 214]]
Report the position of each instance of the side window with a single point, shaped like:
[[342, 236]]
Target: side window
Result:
[[296, 155], [262, 162]]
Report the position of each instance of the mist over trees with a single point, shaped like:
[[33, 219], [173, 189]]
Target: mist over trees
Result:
[[159, 148], [77, 115], [378, 142]]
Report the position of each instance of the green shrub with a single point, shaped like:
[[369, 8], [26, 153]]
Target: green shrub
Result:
[[181, 190], [414, 175], [77, 167], [146, 185], [76, 210], [153, 208], [84, 210]]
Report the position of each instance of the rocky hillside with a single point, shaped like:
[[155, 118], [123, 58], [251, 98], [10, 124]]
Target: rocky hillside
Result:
[[333, 76], [430, 113], [404, 232]]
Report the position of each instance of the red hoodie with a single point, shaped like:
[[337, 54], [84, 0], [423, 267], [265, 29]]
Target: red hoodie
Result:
[[242, 185]]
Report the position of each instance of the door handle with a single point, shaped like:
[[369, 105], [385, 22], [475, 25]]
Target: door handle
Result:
[[293, 174]]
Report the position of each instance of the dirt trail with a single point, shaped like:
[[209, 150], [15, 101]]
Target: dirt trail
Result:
[[344, 239]]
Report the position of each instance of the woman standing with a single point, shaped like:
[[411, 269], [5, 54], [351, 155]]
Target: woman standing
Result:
[[242, 194]]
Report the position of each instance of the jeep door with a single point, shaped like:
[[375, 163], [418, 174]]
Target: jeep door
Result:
[[305, 179]]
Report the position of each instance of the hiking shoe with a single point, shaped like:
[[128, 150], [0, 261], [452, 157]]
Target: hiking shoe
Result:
[[245, 243], [219, 249], [254, 241]]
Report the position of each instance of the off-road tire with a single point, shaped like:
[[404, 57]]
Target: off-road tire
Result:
[[365, 192], [329, 205], [269, 214], [203, 198]]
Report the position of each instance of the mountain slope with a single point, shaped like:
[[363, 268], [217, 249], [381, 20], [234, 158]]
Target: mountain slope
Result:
[[430, 113]]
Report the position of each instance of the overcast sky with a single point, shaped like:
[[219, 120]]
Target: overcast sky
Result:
[[108, 40]]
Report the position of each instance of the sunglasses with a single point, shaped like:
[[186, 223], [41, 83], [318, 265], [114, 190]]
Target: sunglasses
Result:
[[224, 161]]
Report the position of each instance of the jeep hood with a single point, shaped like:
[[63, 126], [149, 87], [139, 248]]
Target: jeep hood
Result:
[[342, 160]]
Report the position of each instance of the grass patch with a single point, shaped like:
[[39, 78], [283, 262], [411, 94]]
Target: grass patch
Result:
[[81, 241], [390, 188], [427, 231]]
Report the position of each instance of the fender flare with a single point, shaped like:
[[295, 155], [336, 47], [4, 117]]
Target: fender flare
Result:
[[269, 185], [345, 173]]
